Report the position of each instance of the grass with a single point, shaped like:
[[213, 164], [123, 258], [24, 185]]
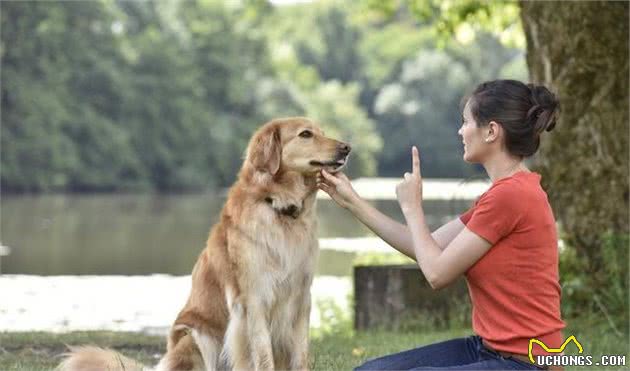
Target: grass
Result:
[[344, 352], [41, 351], [341, 350], [598, 338]]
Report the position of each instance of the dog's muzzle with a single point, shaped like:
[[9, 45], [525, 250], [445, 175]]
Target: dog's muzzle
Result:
[[341, 158]]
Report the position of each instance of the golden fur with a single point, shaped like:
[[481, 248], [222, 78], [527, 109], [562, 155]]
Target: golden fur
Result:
[[250, 303]]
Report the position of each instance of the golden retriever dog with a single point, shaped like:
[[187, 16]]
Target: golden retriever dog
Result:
[[250, 301]]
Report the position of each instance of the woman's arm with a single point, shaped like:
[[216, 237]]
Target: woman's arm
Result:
[[443, 266], [397, 235], [440, 266]]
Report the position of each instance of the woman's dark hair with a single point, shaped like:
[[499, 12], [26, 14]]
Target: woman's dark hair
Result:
[[524, 112]]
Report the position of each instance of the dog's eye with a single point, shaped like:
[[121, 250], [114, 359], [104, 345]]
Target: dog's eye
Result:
[[306, 134]]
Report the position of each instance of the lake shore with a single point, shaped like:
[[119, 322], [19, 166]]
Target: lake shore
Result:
[[146, 304]]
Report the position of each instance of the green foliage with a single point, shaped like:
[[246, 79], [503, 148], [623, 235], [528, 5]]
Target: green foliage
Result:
[[422, 105], [333, 320], [122, 95], [42, 115], [602, 294], [461, 18], [386, 57], [409, 84]]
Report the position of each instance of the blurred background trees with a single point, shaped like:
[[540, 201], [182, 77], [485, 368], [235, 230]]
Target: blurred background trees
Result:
[[136, 96]]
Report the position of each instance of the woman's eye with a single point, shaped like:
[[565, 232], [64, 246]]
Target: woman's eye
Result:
[[306, 134]]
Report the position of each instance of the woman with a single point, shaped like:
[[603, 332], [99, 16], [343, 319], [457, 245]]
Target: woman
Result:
[[505, 245]]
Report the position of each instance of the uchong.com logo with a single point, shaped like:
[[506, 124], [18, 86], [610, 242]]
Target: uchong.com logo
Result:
[[580, 359]]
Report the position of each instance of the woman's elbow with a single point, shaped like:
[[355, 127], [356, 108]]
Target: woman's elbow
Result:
[[433, 280], [438, 283], [437, 278]]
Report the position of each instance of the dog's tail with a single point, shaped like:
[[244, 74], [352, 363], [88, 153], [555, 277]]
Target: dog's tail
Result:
[[91, 358]]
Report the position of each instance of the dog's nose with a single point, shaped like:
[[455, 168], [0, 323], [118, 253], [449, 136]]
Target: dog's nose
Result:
[[344, 148]]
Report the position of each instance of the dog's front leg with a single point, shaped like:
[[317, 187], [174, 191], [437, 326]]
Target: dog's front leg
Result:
[[236, 351], [299, 353], [259, 337]]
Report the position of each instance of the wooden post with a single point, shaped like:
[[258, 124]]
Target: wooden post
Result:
[[4, 250], [388, 295]]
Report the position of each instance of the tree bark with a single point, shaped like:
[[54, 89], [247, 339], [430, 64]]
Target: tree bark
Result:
[[580, 50]]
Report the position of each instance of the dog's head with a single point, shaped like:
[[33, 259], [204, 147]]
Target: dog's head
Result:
[[295, 144]]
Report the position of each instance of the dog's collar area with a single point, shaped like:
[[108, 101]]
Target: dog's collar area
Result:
[[292, 211]]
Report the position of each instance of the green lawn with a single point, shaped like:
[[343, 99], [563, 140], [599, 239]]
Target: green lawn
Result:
[[329, 351], [40, 351]]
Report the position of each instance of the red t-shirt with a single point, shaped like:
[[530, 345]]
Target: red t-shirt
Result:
[[514, 287]]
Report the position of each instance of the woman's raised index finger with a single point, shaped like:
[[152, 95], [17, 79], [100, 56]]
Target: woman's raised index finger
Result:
[[415, 160]]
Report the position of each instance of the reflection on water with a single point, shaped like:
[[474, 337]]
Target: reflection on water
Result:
[[144, 234]]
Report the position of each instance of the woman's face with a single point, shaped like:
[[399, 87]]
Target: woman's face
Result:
[[475, 147]]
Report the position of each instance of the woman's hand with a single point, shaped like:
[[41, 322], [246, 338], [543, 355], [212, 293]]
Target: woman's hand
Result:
[[409, 191], [338, 187]]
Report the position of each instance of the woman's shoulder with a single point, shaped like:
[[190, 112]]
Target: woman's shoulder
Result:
[[518, 182], [519, 188]]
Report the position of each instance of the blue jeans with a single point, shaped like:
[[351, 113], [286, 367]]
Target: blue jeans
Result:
[[457, 354]]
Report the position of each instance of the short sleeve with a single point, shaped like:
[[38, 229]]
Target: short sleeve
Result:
[[496, 214], [465, 217]]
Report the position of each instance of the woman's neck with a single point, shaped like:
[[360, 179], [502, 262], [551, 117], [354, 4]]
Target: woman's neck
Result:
[[502, 166]]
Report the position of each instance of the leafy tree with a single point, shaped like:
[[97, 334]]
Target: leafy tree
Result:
[[410, 99], [52, 60], [126, 95], [415, 110]]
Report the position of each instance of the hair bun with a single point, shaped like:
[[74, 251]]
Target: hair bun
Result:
[[544, 105]]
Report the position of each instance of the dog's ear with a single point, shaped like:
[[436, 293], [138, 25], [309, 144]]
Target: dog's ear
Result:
[[265, 151]]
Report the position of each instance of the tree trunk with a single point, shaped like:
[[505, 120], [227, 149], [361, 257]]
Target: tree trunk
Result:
[[393, 296], [580, 50]]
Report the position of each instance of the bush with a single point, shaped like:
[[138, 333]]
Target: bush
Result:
[[602, 293]]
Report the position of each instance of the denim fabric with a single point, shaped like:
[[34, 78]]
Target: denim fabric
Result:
[[457, 354]]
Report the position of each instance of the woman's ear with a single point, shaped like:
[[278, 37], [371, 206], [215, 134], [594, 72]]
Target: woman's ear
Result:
[[493, 131], [265, 150]]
